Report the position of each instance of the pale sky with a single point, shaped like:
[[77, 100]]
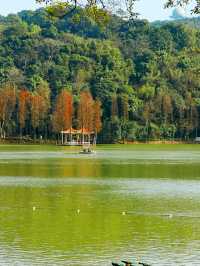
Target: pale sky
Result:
[[149, 9]]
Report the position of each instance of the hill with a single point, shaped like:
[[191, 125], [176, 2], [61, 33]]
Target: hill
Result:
[[146, 76]]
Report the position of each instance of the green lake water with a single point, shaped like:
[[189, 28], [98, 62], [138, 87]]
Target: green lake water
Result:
[[58, 207]]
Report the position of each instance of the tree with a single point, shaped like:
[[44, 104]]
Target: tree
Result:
[[191, 119], [23, 102], [145, 74], [97, 117], [95, 9], [36, 103], [167, 108], [147, 116], [173, 3], [98, 9], [62, 115], [86, 111], [39, 106], [43, 91], [124, 115], [7, 107], [114, 107]]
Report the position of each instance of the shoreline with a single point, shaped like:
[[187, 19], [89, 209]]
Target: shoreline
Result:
[[55, 143], [161, 142]]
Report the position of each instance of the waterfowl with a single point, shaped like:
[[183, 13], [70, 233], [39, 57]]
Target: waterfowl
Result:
[[127, 263], [143, 264]]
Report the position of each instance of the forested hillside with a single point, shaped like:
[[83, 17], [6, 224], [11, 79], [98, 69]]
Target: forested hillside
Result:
[[193, 22], [146, 76]]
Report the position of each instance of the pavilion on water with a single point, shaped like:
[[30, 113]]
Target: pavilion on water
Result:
[[77, 137]]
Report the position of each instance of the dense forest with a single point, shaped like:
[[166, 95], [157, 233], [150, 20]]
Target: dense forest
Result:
[[145, 77]]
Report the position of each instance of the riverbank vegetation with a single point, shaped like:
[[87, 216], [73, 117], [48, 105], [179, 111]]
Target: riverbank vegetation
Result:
[[31, 111], [145, 77]]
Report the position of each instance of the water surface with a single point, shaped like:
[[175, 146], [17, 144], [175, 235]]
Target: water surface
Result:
[[58, 207]]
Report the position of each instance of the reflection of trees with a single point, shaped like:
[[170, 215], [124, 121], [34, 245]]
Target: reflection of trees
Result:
[[74, 167], [99, 228]]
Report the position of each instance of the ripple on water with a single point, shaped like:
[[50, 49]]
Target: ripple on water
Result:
[[123, 156], [160, 225]]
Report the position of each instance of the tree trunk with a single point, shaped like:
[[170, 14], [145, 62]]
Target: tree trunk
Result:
[[35, 135], [2, 132]]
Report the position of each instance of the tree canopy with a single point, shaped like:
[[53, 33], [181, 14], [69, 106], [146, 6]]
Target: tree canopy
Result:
[[99, 9], [145, 77]]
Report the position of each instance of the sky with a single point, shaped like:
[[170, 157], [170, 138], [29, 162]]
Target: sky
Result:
[[151, 10]]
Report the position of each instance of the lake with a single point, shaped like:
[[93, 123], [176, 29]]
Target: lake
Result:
[[58, 207]]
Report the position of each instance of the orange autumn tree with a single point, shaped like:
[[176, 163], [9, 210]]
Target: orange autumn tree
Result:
[[62, 115], [86, 112], [89, 114], [23, 101], [7, 107]]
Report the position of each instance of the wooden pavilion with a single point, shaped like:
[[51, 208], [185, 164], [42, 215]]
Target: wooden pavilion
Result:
[[77, 137]]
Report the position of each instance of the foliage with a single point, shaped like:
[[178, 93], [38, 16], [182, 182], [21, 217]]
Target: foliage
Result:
[[62, 116], [142, 79], [98, 9]]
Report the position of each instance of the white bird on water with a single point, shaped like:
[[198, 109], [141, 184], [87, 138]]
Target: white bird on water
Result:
[[34, 208], [123, 213], [78, 211]]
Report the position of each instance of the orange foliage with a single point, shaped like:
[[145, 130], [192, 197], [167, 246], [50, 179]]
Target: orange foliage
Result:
[[86, 111], [24, 97], [7, 106], [39, 105], [62, 116]]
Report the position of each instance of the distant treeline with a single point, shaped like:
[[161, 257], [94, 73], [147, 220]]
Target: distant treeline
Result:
[[25, 113], [145, 77]]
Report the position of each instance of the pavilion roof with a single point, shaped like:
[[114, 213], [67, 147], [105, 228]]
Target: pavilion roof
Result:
[[77, 131]]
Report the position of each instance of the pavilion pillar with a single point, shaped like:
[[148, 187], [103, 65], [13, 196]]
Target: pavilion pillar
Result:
[[62, 135], [83, 138]]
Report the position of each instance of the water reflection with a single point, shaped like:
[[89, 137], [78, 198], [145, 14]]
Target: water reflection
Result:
[[160, 200]]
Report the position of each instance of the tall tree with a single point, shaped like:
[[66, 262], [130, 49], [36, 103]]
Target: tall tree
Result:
[[62, 115], [23, 103], [36, 102], [124, 106], [7, 107], [167, 108], [97, 117], [86, 111], [43, 91], [114, 107]]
